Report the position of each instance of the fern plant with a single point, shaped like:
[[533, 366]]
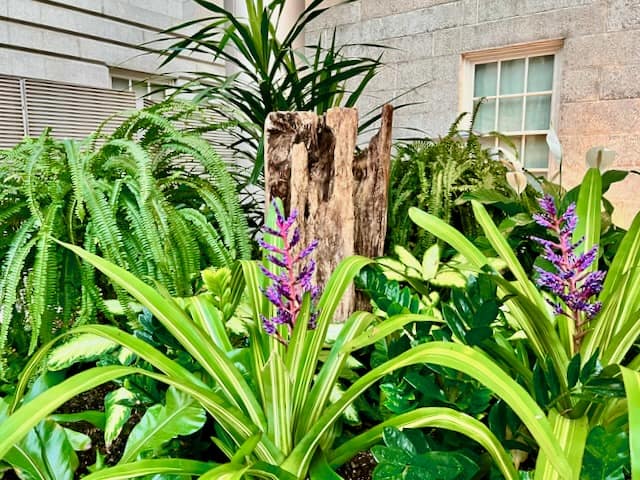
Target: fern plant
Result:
[[127, 196], [433, 174]]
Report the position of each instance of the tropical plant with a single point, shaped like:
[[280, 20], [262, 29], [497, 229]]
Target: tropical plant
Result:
[[581, 348], [434, 175], [127, 196], [408, 455], [275, 72], [273, 400]]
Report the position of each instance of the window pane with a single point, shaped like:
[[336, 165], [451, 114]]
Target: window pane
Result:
[[536, 152], [120, 84], [510, 114], [485, 80], [512, 76], [515, 148], [485, 119], [538, 112], [540, 74]]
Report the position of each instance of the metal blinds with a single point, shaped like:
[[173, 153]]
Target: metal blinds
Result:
[[28, 106], [73, 111], [11, 126]]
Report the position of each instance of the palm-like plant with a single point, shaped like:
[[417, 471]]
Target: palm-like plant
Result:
[[124, 196], [273, 72]]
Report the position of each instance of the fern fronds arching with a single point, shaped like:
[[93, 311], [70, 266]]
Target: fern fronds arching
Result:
[[127, 197]]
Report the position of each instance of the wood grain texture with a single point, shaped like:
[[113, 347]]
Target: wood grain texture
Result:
[[341, 198]]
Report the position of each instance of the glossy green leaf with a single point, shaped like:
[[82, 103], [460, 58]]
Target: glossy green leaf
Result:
[[179, 416], [44, 454], [430, 417], [116, 414], [606, 455], [83, 348]]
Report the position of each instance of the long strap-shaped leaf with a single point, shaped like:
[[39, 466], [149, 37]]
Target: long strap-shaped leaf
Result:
[[502, 248], [632, 386], [431, 417], [327, 379], [572, 435], [589, 211], [459, 357], [159, 466], [212, 359]]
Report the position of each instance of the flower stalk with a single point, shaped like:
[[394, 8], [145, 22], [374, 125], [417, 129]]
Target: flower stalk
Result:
[[571, 281], [294, 277]]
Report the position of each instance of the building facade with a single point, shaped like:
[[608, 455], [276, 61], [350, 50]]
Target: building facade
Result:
[[570, 65], [70, 64]]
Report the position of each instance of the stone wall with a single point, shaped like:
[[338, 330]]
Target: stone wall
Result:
[[598, 91], [81, 41]]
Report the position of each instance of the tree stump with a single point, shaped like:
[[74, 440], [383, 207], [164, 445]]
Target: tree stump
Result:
[[340, 196]]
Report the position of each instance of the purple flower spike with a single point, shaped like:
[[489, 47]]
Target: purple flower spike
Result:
[[288, 287], [569, 281]]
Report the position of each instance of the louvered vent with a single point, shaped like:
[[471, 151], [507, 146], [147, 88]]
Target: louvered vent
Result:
[[73, 111], [11, 124]]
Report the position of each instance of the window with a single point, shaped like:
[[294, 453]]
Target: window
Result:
[[146, 90], [516, 87]]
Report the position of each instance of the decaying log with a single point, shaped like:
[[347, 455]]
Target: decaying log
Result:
[[341, 198]]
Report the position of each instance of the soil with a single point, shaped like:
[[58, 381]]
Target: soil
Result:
[[359, 467], [94, 400]]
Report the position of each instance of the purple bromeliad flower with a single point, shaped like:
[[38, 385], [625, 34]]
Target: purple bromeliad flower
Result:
[[295, 278], [571, 282]]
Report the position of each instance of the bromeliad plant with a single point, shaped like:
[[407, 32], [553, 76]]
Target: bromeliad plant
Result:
[[273, 403], [581, 344]]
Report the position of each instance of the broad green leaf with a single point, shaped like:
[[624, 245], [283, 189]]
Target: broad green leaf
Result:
[[45, 453], [94, 417], [431, 417], [459, 357], [78, 441], [180, 415], [116, 414], [408, 260], [431, 262], [606, 455], [84, 348]]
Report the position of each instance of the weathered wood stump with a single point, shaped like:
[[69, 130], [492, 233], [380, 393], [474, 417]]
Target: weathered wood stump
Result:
[[341, 197]]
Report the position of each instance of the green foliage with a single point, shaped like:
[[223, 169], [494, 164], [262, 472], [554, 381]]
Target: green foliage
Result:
[[405, 458], [180, 415], [433, 175], [275, 70], [275, 408], [575, 388], [128, 196]]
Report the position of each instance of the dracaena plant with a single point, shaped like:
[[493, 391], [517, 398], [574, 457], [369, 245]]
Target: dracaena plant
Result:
[[275, 70], [578, 325], [273, 399]]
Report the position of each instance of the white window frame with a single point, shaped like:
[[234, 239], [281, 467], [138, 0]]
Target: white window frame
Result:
[[140, 78], [512, 52]]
